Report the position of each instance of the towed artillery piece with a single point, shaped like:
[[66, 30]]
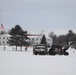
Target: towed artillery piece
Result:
[[58, 50]]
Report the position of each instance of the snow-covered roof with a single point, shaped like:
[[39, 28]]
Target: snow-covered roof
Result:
[[5, 35], [32, 36], [40, 36], [47, 37]]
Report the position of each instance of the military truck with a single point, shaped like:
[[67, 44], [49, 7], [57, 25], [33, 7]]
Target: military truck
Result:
[[40, 49], [58, 50]]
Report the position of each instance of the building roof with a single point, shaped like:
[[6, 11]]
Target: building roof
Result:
[[32, 36], [5, 35], [40, 36]]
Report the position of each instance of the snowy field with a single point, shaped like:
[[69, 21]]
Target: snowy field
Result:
[[25, 63]]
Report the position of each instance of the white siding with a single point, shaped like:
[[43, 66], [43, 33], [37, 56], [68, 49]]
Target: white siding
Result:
[[37, 39], [4, 39]]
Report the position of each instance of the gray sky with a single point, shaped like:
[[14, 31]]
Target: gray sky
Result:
[[58, 16]]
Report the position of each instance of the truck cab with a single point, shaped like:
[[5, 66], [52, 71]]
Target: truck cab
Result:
[[40, 49]]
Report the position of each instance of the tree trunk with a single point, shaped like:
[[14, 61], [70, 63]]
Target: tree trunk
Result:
[[4, 47], [21, 48], [16, 48], [26, 48]]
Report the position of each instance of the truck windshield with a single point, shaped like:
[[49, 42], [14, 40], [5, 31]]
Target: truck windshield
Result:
[[40, 47]]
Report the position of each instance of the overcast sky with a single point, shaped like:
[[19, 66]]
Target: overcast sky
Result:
[[58, 16]]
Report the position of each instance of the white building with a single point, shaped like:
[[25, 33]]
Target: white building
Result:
[[4, 39], [37, 39], [33, 39]]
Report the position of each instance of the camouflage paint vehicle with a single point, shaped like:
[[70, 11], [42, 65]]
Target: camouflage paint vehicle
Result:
[[57, 49]]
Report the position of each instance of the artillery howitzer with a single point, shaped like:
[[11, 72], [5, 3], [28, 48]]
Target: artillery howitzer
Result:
[[57, 49]]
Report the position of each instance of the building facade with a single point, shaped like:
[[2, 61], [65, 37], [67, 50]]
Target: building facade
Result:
[[33, 40], [4, 39], [37, 39]]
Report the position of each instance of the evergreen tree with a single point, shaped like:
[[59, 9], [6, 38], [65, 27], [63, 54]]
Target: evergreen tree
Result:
[[43, 40], [70, 36], [61, 40], [54, 38], [18, 37]]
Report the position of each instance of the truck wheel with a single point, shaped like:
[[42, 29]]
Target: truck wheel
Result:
[[40, 53], [66, 53], [35, 53], [50, 52]]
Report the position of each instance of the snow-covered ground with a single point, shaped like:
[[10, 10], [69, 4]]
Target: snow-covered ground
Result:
[[25, 63]]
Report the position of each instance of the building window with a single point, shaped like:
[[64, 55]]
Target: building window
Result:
[[37, 43], [37, 39], [3, 37], [32, 38], [3, 42]]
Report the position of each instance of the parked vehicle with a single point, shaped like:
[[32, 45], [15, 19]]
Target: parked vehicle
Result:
[[40, 49]]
